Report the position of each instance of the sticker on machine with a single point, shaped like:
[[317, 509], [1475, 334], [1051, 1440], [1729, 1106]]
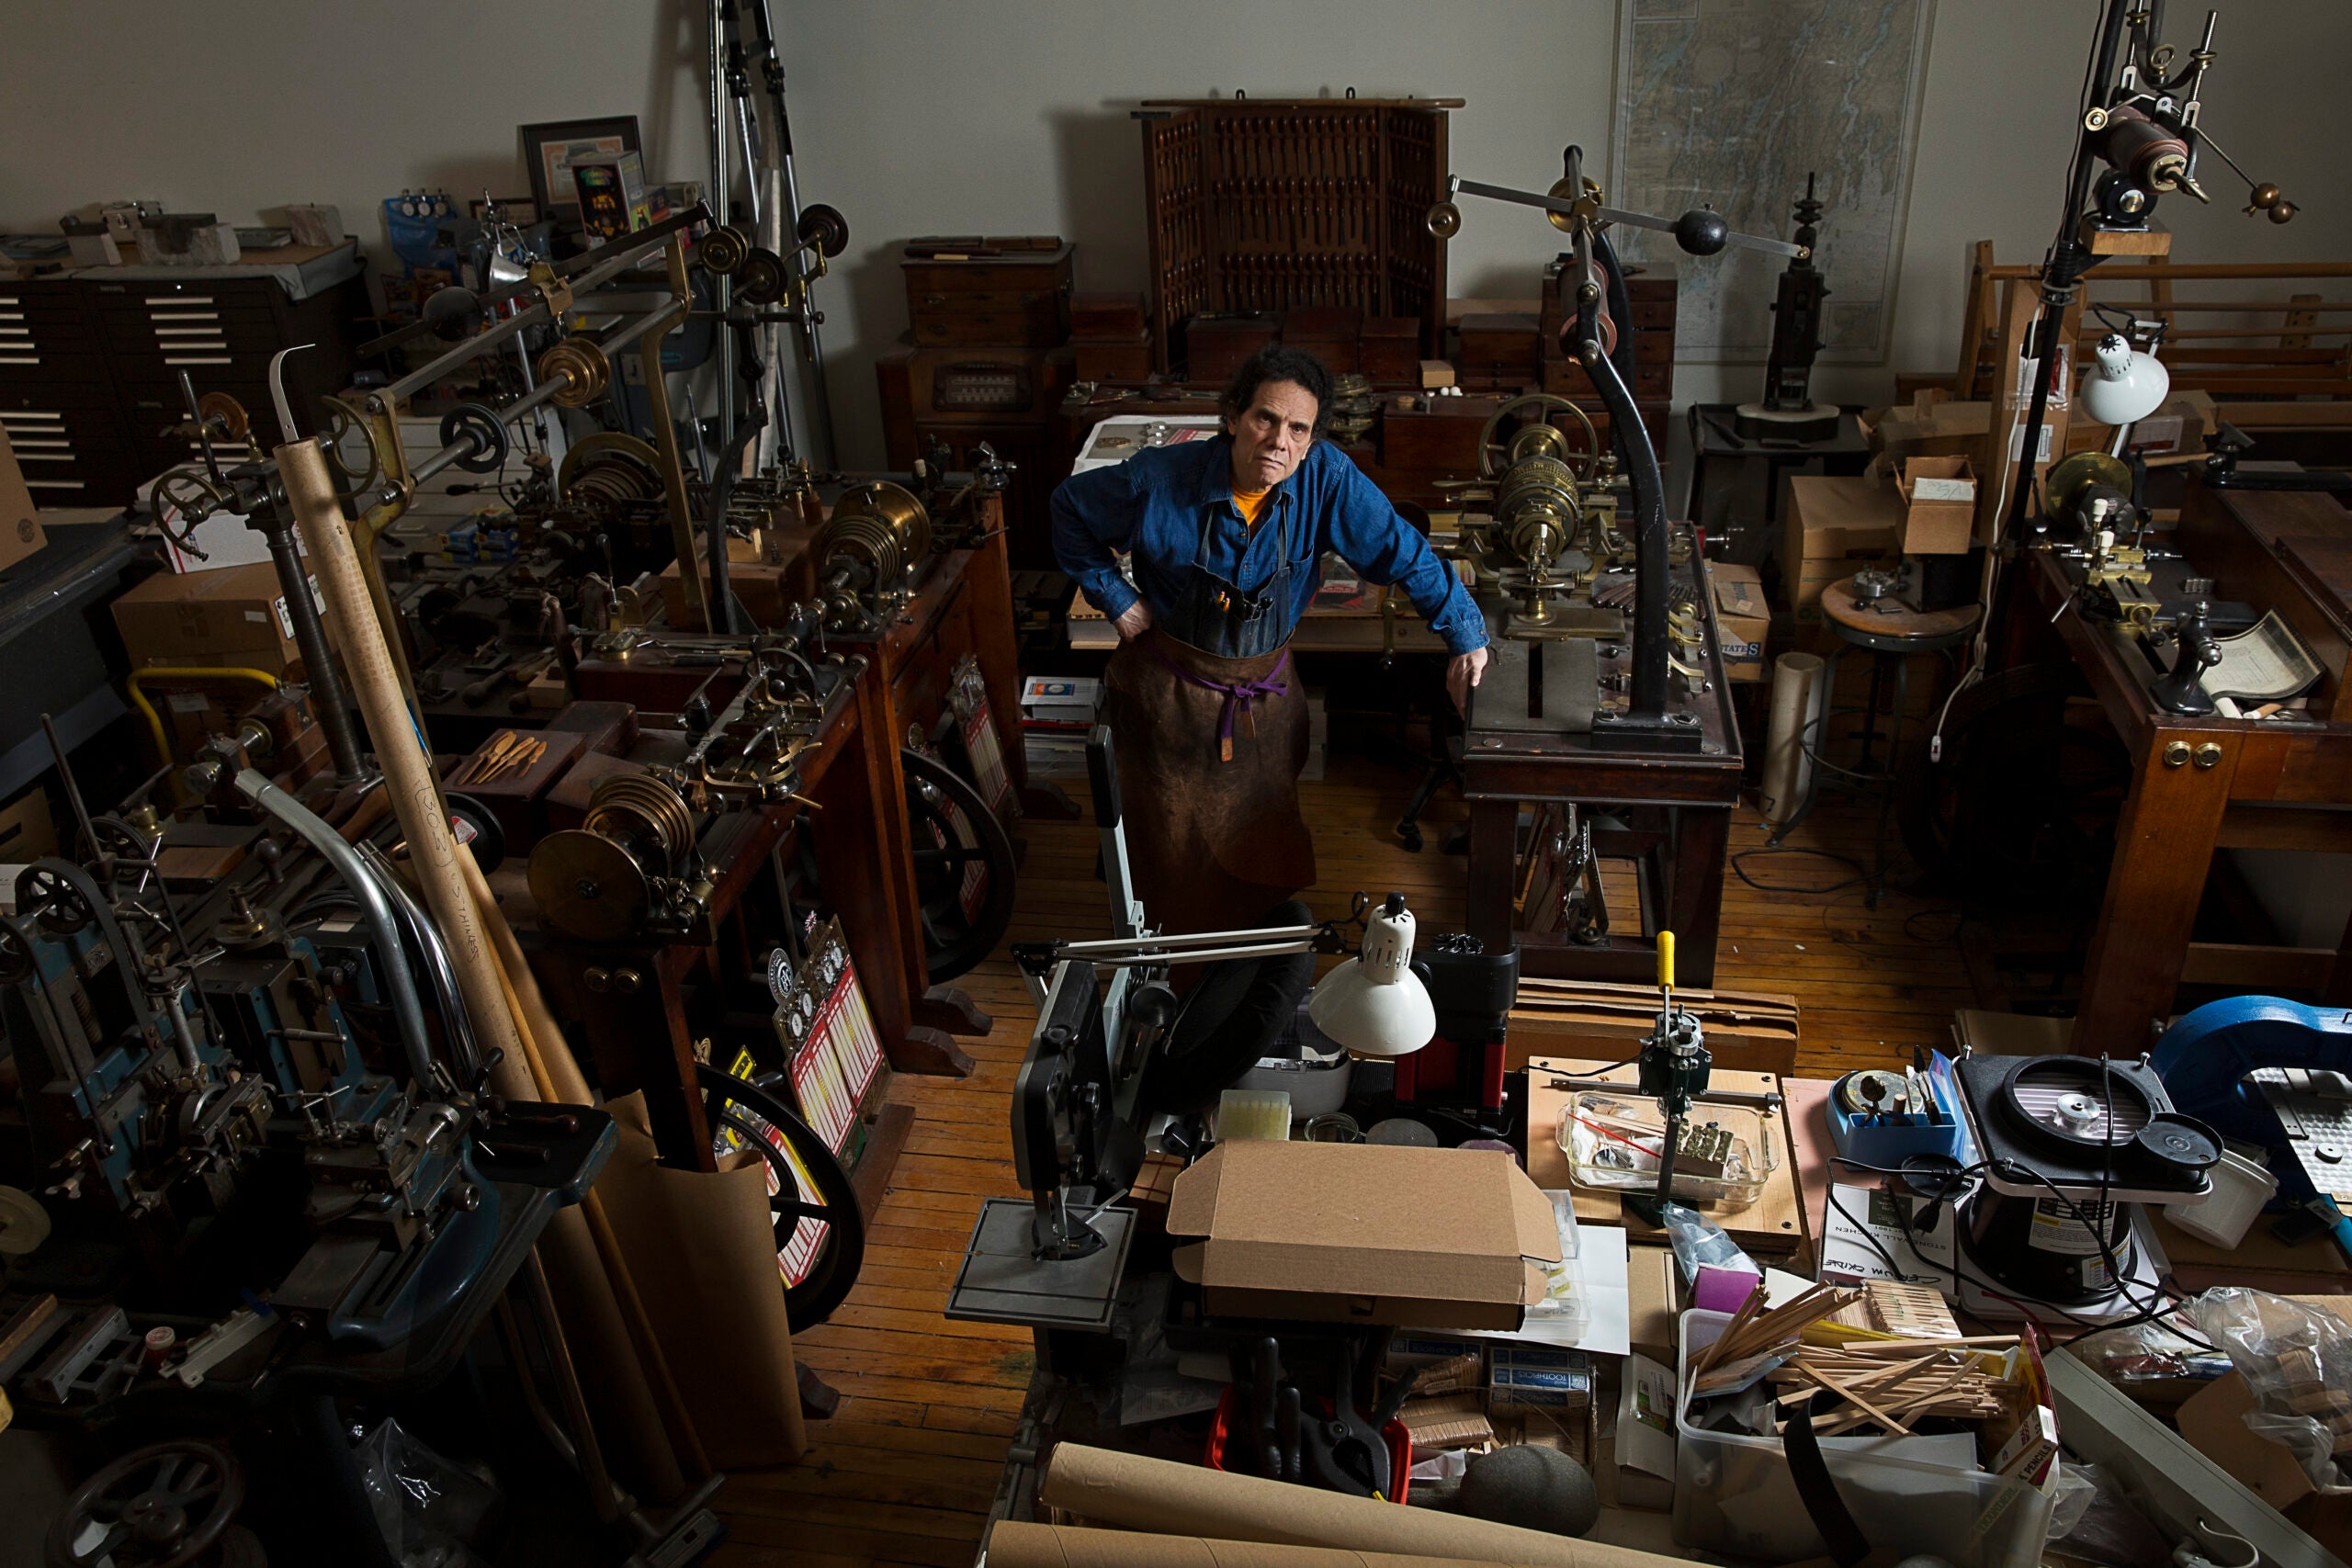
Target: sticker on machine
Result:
[[2056, 1228]]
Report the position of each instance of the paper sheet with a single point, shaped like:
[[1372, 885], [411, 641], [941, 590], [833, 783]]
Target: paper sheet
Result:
[[1607, 1329]]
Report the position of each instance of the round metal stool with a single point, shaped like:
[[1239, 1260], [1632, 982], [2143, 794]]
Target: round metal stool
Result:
[[1891, 633]]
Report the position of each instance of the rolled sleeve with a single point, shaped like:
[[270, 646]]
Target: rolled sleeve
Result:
[[1095, 516], [1370, 536]]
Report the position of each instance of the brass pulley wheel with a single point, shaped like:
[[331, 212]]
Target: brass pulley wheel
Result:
[[1569, 190], [1444, 220], [824, 228], [2073, 477], [880, 524], [610, 466], [722, 250], [1494, 454], [761, 279], [582, 365], [180, 499], [351, 449], [231, 414], [587, 886]]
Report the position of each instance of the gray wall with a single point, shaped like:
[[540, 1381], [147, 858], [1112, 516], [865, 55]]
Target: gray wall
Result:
[[1010, 116]]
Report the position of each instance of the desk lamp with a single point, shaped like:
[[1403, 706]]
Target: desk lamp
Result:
[[1374, 1004]]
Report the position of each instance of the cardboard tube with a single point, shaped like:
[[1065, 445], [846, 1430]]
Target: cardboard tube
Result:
[[1134, 1493], [554, 1051], [1799, 688], [591, 1206], [1013, 1544], [408, 773]]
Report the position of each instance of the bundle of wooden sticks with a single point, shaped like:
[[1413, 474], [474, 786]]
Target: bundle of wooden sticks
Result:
[[1891, 1383], [1885, 1382]]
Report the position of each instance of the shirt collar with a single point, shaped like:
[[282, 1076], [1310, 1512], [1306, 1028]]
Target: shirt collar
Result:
[[1216, 477]]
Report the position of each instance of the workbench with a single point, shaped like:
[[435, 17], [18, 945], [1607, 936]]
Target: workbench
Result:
[[2202, 785]]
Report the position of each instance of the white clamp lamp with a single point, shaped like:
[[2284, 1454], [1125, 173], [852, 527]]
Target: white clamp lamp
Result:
[[2123, 386], [1374, 1004]]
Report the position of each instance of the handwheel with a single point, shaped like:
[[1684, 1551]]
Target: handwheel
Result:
[[791, 1146], [2024, 802], [964, 867], [825, 227], [761, 278], [160, 1506], [1493, 442]]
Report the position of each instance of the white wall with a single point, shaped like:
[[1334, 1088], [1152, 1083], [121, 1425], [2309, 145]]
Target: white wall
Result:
[[1011, 115]]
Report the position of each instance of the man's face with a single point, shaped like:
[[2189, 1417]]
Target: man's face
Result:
[[1271, 435]]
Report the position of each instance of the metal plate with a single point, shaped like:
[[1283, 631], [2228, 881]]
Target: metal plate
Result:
[[1570, 688], [1002, 1281]]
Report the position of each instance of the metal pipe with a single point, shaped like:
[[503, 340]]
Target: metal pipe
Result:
[[1618, 215], [1109, 946], [491, 337], [617, 341], [408, 1011], [723, 349], [574, 267], [820, 407], [455, 1027], [327, 698]]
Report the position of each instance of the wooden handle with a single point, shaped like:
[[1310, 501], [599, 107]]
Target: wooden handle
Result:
[[400, 752]]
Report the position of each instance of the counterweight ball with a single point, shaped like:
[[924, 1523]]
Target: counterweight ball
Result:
[[1533, 1488], [1702, 231]]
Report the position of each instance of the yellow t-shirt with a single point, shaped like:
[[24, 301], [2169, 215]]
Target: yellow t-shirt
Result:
[[1252, 507]]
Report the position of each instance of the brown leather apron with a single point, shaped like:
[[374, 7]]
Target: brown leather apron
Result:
[[1213, 844]]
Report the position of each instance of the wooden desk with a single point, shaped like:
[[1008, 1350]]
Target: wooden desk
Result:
[[2202, 785]]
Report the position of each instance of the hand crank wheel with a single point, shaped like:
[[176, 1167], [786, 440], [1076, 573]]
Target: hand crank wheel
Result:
[[964, 867], [791, 1147], [160, 1506]]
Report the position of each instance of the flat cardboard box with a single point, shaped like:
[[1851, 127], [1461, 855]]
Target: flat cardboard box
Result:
[[1741, 618], [234, 616], [1939, 505], [1834, 525], [1364, 1232], [2011, 1033], [2214, 1422], [21, 529]]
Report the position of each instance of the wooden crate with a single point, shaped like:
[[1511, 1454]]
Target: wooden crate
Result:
[[1356, 178]]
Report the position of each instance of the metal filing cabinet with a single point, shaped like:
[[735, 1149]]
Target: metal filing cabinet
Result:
[[90, 368]]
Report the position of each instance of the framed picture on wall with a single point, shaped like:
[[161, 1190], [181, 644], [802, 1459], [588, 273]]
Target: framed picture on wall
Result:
[[548, 150]]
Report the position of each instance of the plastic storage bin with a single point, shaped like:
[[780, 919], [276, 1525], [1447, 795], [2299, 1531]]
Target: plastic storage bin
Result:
[[1734, 1494], [1612, 1138]]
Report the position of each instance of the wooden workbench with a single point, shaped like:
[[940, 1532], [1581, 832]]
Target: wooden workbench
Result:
[[2203, 784]]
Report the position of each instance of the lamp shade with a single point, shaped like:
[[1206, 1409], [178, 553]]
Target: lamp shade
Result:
[[1374, 1004], [2123, 386]]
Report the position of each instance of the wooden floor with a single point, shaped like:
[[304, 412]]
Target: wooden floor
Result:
[[905, 1471]]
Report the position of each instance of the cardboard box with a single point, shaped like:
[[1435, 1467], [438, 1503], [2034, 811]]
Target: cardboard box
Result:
[[1939, 505], [1656, 1289], [233, 617], [1741, 618], [20, 530], [1364, 1232], [27, 830], [1645, 1433], [1833, 526], [2214, 1422]]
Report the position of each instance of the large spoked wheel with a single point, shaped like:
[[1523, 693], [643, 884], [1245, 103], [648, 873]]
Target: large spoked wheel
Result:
[[2024, 802], [160, 1506], [964, 867], [794, 1151], [1505, 423]]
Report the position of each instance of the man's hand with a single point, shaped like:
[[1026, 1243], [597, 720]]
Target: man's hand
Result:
[[1462, 673], [1138, 621]]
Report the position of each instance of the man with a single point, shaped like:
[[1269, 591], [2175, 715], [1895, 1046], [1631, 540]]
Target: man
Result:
[[1228, 538]]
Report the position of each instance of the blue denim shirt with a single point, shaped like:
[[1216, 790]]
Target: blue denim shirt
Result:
[[1153, 504]]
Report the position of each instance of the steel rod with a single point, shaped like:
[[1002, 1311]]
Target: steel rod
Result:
[[1618, 215]]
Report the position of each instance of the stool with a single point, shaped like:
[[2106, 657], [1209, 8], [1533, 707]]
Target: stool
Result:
[[1891, 633]]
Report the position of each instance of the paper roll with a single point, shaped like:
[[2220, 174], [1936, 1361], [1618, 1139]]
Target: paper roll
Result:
[[1013, 1544], [1132, 1493], [1799, 690]]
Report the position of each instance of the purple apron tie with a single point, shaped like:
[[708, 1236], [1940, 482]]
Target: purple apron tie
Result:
[[1239, 694]]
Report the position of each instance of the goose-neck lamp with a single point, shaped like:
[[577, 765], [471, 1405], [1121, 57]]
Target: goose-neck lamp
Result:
[[1374, 1004]]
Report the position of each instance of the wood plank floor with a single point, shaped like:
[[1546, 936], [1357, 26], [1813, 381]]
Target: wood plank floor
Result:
[[905, 1471]]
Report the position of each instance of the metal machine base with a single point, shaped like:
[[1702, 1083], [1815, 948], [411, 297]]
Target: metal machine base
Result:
[[1550, 687], [1003, 1281]]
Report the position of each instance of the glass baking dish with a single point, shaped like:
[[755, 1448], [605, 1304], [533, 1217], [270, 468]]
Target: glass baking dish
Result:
[[1611, 1139]]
